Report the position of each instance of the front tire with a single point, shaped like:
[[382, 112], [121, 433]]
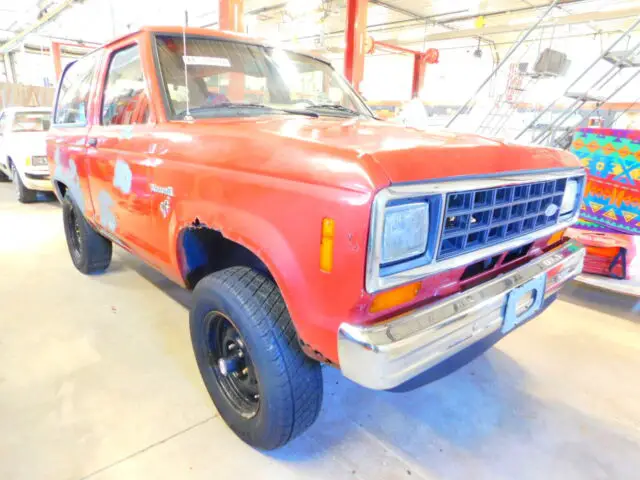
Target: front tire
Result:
[[265, 388], [23, 194], [90, 251]]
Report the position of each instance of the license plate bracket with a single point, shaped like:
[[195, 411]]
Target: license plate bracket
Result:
[[527, 298]]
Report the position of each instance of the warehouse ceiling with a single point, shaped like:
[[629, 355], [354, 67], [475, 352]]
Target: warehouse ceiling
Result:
[[316, 24]]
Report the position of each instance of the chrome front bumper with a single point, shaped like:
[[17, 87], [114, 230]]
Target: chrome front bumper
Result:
[[388, 354]]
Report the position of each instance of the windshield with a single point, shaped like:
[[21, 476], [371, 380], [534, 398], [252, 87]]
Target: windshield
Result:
[[228, 78], [31, 122]]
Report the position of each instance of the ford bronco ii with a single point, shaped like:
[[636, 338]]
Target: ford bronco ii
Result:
[[310, 232]]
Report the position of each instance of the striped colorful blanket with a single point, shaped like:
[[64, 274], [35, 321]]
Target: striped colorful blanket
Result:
[[612, 197]]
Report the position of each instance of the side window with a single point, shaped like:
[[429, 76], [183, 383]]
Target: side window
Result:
[[125, 100], [73, 94]]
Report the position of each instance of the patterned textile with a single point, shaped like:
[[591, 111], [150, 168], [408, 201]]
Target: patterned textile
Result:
[[612, 197]]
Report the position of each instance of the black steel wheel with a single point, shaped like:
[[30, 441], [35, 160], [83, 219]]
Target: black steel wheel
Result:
[[90, 251], [231, 364], [75, 234], [264, 387]]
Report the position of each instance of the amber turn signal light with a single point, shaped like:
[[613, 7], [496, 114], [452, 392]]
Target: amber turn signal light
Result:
[[326, 245], [395, 297], [555, 238]]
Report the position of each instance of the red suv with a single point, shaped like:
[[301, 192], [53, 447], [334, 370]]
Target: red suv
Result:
[[310, 231]]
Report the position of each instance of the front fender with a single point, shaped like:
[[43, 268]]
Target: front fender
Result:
[[252, 231], [280, 222]]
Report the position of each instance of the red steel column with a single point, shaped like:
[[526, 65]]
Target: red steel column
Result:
[[232, 15], [232, 19], [355, 34], [57, 61], [419, 66]]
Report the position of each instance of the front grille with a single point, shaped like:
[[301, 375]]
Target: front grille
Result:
[[480, 218]]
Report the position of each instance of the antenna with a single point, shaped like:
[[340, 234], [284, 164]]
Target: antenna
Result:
[[187, 115]]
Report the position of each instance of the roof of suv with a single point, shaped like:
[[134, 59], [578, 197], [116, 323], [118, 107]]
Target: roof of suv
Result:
[[209, 32]]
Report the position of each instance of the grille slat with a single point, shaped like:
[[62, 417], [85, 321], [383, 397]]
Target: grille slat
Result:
[[480, 218]]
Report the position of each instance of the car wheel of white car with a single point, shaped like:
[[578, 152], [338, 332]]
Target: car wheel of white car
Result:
[[23, 194]]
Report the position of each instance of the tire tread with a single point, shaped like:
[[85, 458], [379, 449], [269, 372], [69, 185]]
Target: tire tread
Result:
[[98, 250], [268, 313]]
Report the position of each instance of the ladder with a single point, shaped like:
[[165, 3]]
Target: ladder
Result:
[[618, 60], [519, 81], [504, 106], [520, 41]]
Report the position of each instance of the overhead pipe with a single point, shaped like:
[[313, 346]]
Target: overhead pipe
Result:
[[575, 19], [414, 22], [46, 18]]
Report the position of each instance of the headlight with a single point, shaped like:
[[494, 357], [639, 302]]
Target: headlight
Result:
[[38, 160], [570, 197], [405, 231]]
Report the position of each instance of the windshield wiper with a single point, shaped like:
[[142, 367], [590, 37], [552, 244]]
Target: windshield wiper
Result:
[[230, 105], [335, 106]]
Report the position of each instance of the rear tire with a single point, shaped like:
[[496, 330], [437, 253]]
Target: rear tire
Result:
[[265, 388], [23, 194], [90, 251]]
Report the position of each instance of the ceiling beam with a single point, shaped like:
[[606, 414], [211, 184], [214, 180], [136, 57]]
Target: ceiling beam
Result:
[[578, 18], [47, 17], [414, 22]]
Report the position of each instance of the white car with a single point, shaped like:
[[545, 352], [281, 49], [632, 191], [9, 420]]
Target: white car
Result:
[[23, 155]]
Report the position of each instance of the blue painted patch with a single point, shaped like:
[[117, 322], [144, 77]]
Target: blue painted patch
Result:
[[122, 177], [69, 176], [106, 216], [194, 253]]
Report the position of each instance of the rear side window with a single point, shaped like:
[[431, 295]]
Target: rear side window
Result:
[[73, 95], [125, 100]]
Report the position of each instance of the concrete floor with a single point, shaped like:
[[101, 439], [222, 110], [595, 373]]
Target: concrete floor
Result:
[[97, 380]]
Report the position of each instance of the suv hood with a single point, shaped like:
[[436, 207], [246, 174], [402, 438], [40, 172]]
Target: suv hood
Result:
[[382, 151], [409, 155]]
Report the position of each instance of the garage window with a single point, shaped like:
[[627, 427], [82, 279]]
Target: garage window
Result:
[[125, 99], [73, 94]]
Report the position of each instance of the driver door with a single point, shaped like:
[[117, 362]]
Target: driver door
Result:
[[119, 146]]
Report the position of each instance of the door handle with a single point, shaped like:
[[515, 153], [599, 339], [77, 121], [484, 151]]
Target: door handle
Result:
[[92, 142]]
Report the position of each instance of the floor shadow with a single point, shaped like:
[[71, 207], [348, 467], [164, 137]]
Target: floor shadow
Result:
[[125, 260], [464, 408], [604, 301], [484, 421]]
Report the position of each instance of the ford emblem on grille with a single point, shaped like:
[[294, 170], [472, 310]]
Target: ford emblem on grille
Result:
[[551, 210]]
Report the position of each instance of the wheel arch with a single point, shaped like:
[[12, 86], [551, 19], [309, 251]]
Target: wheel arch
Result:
[[251, 241], [59, 189]]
